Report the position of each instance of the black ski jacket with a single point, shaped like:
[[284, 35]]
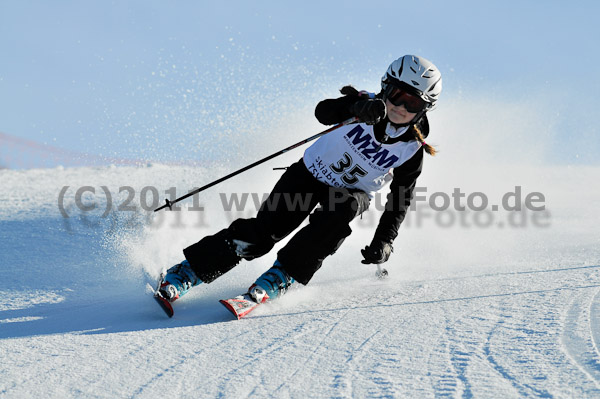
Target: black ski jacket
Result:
[[332, 111]]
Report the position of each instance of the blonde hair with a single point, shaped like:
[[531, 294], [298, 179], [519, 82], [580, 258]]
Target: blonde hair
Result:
[[419, 136]]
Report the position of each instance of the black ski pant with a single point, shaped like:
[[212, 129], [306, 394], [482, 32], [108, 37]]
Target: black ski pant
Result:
[[292, 200]]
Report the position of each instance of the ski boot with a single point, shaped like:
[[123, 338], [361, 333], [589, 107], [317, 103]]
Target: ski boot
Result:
[[273, 283], [269, 286], [176, 282]]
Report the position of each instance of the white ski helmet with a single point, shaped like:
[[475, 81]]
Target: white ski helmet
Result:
[[418, 73]]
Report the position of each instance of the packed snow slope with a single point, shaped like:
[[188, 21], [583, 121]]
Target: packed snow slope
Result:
[[478, 302]]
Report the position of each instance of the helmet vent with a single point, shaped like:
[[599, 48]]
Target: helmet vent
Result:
[[415, 83], [433, 85]]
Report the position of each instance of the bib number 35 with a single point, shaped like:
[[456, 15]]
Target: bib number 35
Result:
[[350, 172]]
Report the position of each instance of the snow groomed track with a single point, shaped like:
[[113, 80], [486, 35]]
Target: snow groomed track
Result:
[[503, 313]]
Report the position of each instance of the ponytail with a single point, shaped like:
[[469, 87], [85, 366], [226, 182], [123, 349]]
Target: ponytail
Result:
[[419, 136]]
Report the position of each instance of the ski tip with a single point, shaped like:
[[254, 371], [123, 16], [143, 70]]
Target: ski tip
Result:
[[164, 304], [230, 307]]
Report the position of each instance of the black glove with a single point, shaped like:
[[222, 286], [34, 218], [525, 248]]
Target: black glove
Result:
[[376, 253], [369, 111]]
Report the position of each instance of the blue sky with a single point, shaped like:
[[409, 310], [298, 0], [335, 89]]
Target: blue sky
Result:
[[169, 80]]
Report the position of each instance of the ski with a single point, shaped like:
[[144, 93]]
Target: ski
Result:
[[241, 305], [164, 304]]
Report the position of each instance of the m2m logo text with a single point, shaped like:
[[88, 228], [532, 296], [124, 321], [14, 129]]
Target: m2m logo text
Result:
[[370, 149]]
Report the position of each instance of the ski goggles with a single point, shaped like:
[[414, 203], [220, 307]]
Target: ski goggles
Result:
[[399, 96]]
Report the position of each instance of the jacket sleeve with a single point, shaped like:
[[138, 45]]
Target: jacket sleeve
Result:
[[335, 110], [399, 198]]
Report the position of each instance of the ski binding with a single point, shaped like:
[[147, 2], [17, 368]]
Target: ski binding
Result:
[[162, 301]]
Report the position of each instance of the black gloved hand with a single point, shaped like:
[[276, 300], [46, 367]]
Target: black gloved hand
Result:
[[376, 253], [369, 111]]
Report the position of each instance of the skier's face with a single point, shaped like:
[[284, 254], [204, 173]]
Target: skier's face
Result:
[[398, 113]]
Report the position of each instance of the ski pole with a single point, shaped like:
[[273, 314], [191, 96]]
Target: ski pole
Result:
[[169, 204]]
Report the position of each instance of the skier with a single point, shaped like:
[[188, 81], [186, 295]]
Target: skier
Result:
[[340, 173]]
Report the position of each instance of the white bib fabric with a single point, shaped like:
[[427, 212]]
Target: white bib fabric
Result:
[[351, 157]]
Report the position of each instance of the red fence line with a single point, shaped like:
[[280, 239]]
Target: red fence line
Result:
[[44, 153]]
